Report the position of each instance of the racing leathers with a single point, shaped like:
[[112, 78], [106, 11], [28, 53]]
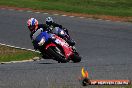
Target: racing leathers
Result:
[[41, 28]]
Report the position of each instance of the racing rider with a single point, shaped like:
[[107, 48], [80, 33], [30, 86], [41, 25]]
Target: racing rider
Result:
[[33, 26]]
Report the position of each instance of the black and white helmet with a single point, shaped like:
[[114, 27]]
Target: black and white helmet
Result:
[[49, 21]]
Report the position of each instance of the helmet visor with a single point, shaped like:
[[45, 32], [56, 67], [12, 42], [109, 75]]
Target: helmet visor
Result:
[[31, 28], [49, 23]]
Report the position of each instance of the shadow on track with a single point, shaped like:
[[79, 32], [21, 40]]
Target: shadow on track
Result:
[[46, 63]]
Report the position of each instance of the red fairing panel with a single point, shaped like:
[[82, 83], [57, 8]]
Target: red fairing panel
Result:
[[51, 44], [67, 49]]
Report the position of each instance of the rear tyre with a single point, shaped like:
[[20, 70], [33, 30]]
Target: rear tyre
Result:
[[56, 55]]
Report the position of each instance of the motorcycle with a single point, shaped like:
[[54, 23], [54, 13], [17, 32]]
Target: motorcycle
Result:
[[53, 46]]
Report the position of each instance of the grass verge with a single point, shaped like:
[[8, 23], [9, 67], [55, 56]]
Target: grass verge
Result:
[[121, 8], [11, 54]]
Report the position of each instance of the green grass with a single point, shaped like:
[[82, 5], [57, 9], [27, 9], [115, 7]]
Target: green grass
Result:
[[101, 7], [12, 54]]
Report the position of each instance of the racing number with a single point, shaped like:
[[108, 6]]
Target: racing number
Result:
[[59, 42]]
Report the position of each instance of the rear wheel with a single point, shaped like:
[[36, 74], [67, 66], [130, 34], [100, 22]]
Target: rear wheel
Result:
[[56, 54]]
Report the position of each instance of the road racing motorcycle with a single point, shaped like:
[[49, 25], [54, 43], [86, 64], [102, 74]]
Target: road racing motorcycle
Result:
[[53, 46]]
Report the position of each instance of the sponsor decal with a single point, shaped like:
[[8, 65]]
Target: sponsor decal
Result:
[[86, 81]]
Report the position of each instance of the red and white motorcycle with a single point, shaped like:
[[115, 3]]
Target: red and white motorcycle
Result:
[[56, 48]]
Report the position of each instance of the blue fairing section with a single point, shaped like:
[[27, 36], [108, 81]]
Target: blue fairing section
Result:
[[41, 35], [58, 31]]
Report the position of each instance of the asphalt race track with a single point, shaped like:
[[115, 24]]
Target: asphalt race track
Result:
[[106, 48]]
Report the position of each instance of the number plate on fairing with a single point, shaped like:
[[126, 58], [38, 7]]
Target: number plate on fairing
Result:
[[58, 41]]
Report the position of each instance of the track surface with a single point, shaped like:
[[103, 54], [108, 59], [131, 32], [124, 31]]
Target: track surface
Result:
[[106, 48]]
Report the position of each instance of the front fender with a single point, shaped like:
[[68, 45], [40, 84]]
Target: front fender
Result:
[[51, 44]]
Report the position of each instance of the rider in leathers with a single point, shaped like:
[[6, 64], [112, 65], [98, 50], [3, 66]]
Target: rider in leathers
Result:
[[33, 26]]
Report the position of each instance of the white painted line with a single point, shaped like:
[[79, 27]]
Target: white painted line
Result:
[[45, 13], [90, 18], [81, 17], [107, 20], [55, 14], [22, 61], [71, 16], [29, 11], [37, 12], [20, 48], [20, 10], [100, 19], [11, 9], [118, 21], [5, 62], [64, 15], [31, 60]]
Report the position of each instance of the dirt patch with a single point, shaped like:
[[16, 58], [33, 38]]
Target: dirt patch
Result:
[[104, 17]]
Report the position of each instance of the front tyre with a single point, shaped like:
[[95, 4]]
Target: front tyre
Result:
[[56, 55], [76, 58]]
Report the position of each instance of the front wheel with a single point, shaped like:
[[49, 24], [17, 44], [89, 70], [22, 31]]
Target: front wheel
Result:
[[76, 58], [58, 57]]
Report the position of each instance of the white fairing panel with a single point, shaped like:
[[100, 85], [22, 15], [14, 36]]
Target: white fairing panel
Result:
[[37, 33]]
